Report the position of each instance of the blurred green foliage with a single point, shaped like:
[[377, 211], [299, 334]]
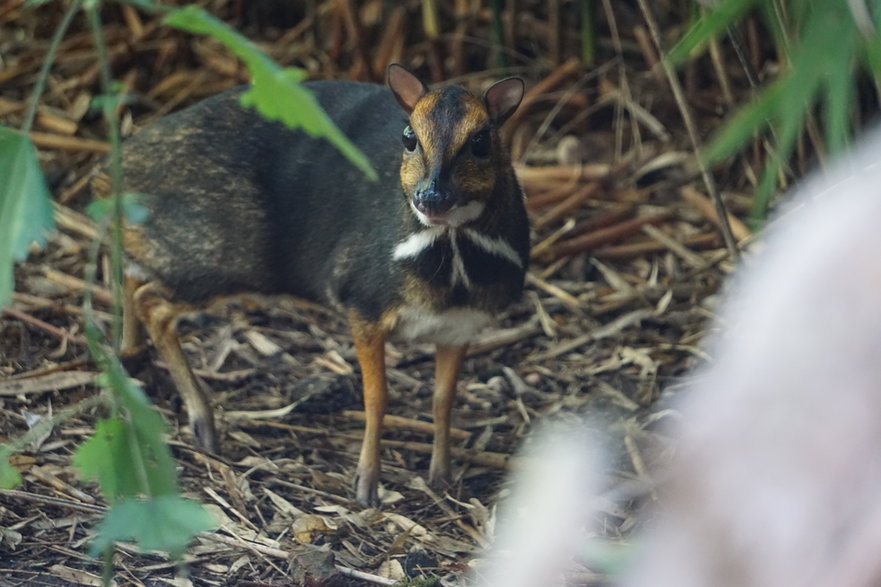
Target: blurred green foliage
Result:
[[826, 47]]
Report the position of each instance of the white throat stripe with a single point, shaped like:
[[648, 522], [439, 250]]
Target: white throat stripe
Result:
[[459, 273], [494, 246], [413, 245]]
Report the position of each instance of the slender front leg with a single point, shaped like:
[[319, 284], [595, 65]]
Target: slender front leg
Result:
[[448, 360], [370, 349], [159, 316]]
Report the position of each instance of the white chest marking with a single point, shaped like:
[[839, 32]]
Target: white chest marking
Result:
[[494, 246], [415, 244], [459, 273], [453, 327]]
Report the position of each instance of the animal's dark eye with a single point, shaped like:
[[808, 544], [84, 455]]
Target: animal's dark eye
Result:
[[409, 139], [480, 144]]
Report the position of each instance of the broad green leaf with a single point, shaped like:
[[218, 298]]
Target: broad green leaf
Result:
[[816, 54], [107, 457], [275, 91], [9, 475], [142, 437], [167, 523], [25, 204], [722, 15]]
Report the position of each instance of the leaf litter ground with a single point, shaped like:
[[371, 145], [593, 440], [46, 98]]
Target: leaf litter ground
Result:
[[627, 262]]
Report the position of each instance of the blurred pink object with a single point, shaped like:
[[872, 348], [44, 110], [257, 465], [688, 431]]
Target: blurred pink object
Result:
[[778, 477]]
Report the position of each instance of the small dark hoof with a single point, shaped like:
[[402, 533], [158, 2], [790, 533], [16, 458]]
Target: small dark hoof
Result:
[[439, 478], [441, 483], [134, 359], [366, 491]]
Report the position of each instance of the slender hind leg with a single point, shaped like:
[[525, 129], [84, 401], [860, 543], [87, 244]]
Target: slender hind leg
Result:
[[159, 316], [132, 329]]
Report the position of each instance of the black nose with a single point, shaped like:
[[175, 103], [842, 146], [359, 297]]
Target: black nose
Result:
[[431, 199]]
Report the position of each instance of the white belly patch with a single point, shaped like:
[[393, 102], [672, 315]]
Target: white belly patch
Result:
[[452, 327]]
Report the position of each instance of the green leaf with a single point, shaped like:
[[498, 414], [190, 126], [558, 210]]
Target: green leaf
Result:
[[166, 523], [134, 211], [107, 457], [137, 446], [147, 452], [275, 91], [722, 15], [9, 475], [839, 90], [745, 123], [25, 204], [764, 191]]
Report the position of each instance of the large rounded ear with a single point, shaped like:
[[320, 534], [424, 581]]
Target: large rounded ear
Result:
[[406, 87], [502, 98]]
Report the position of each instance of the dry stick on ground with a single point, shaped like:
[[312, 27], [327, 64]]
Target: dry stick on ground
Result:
[[290, 555], [703, 205], [567, 206], [691, 258], [551, 196], [494, 460], [550, 240], [73, 221], [56, 381], [690, 126], [74, 365], [60, 486], [392, 421], [74, 190], [481, 458], [648, 247], [595, 223], [590, 241], [32, 302], [567, 299], [99, 294], [541, 175], [613, 327], [44, 326], [504, 337], [52, 501], [67, 143]]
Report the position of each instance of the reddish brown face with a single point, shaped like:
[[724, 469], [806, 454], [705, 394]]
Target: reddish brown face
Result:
[[451, 146], [447, 171]]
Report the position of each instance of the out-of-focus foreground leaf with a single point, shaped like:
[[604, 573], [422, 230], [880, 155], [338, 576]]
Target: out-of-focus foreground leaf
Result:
[[275, 91], [25, 204]]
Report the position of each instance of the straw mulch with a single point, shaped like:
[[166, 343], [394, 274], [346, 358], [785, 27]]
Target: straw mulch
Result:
[[627, 259]]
